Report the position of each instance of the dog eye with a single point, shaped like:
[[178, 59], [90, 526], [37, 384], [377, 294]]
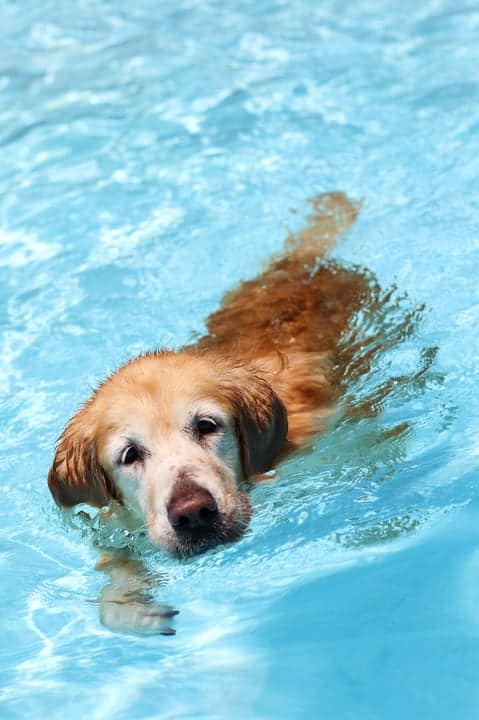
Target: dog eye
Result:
[[206, 426], [130, 455]]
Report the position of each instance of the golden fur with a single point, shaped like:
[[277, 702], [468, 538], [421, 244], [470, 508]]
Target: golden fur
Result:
[[265, 376]]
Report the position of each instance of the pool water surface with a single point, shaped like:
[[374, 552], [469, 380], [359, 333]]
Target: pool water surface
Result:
[[152, 156]]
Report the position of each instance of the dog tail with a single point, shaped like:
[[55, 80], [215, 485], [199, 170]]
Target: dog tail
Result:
[[332, 215]]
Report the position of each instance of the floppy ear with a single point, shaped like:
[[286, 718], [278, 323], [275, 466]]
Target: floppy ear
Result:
[[76, 475], [261, 419]]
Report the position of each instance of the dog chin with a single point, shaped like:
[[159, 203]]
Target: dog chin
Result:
[[190, 543], [187, 543]]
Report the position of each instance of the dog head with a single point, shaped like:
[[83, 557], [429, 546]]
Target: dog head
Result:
[[173, 436]]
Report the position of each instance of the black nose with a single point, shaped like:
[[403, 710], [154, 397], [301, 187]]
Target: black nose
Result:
[[191, 507]]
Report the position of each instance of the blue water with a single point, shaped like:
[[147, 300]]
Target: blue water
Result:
[[152, 155]]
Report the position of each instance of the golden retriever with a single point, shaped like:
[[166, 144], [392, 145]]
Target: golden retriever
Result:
[[177, 437]]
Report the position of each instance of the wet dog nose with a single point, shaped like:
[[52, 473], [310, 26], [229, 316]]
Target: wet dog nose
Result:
[[191, 507]]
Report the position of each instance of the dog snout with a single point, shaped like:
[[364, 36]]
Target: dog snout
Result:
[[192, 507]]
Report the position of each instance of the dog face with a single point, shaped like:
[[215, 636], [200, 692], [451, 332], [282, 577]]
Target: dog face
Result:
[[173, 436]]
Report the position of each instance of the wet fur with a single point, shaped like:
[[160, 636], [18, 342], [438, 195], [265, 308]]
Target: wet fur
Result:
[[272, 346], [269, 361]]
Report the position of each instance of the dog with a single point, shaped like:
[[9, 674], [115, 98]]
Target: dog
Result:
[[178, 437]]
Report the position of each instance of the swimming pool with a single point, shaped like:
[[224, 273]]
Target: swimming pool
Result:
[[151, 157]]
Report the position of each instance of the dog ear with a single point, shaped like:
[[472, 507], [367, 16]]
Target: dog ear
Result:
[[261, 420], [76, 475]]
